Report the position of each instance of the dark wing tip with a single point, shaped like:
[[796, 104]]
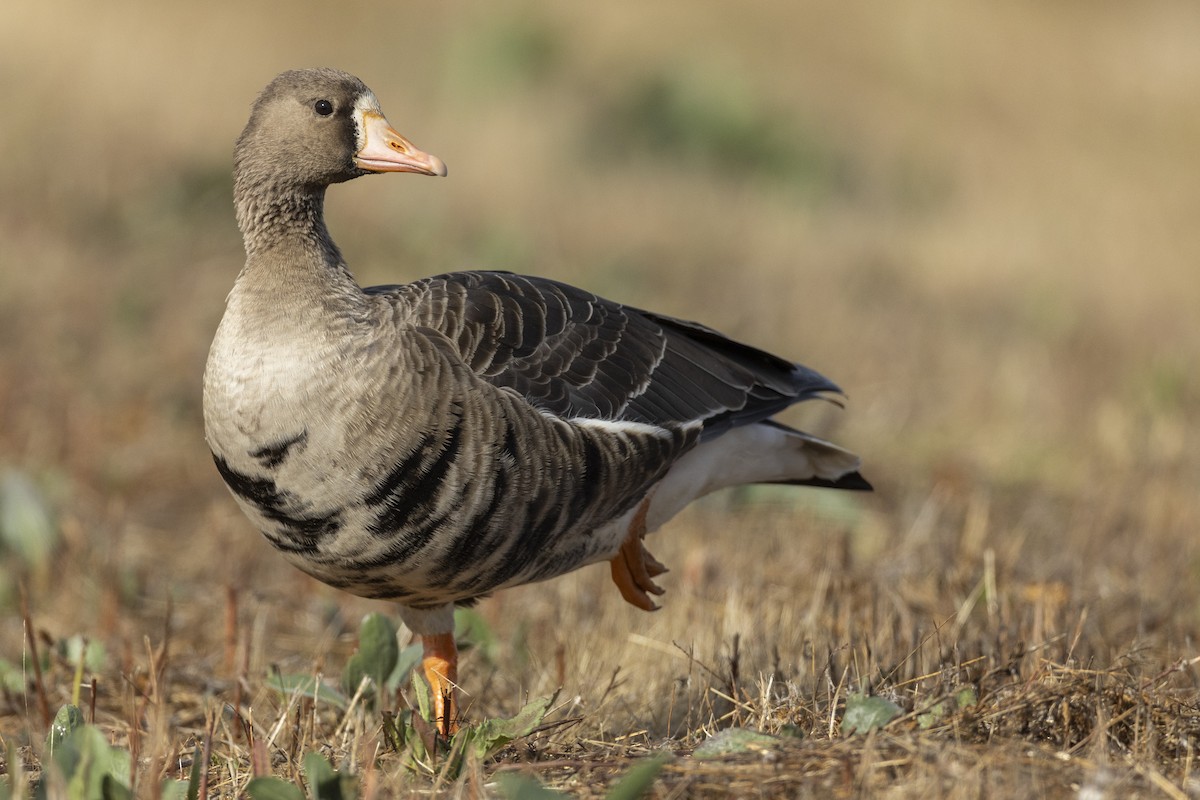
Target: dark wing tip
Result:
[[809, 382], [852, 482]]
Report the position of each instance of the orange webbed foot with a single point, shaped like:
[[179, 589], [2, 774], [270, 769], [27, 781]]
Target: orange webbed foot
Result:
[[634, 569]]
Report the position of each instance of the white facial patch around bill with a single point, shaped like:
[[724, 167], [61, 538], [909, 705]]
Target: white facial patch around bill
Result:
[[365, 102]]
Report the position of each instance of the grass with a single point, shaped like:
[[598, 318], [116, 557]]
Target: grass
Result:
[[996, 258]]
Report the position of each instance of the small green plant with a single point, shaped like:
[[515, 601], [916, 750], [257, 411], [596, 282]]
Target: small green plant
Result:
[[381, 663], [963, 698], [510, 52], [734, 741], [12, 677], [80, 764], [324, 783], [88, 767], [635, 784], [714, 122], [380, 659], [309, 686], [413, 731], [865, 713], [68, 719], [27, 527], [473, 632], [79, 650]]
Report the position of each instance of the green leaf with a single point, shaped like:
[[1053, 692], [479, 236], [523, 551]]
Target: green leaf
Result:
[[26, 526], [308, 686], [714, 121], [409, 658], [414, 730], [76, 647], [635, 783], [866, 713], [193, 784], [733, 741], [639, 779], [11, 677], [515, 786], [173, 790], [424, 699], [491, 735], [394, 730], [320, 774], [272, 789], [789, 730], [963, 698], [326, 783], [471, 630], [86, 760], [378, 647], [417, 727], [16, 778], [418, 732], [113, 789], [353, 674], [66, 721], [931, 717]]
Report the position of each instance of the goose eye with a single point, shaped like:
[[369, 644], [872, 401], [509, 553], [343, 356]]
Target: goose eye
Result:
[[323, 107]]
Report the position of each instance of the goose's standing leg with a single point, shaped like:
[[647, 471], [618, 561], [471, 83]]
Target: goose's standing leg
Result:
[[440, 664]]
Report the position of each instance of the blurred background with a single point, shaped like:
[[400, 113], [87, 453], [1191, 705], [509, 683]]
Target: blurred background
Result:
[[980, 219]]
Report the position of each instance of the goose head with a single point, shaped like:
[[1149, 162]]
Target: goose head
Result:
[[308, 129], [323, 126]]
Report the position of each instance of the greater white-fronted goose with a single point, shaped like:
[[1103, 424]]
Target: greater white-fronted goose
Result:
[[433, 442]]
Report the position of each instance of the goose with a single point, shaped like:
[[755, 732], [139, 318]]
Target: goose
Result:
[[433, 442]]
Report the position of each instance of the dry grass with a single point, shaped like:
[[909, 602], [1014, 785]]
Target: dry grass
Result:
[[978, 219]]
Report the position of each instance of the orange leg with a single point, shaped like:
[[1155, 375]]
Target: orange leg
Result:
[[441, 670], [633, 568]]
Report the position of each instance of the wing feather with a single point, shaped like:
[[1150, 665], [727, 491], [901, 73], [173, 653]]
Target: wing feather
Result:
[[574, 354]]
